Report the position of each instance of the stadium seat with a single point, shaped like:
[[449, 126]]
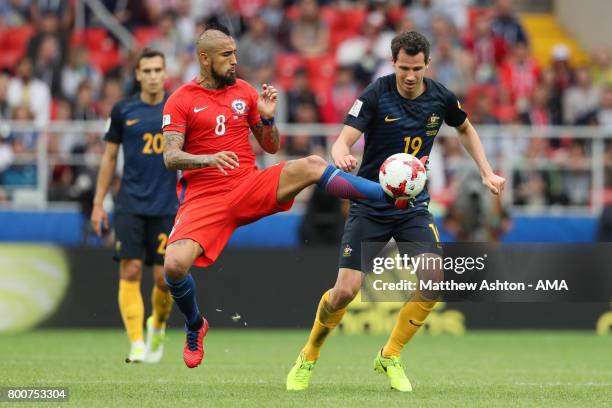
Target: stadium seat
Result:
[[351, 20], [105, 60], [17, 38], [286, 66], [321, 72], [145, 35], [94, 39], [9, 58]]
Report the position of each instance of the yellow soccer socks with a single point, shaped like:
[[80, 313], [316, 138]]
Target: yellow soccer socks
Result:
[[162, 306], [131, 307], [411, 317], [325, 321]]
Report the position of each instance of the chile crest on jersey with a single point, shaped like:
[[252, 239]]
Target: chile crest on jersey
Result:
[[239, 106]]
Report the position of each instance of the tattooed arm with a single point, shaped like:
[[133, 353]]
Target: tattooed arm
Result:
[[177, 159], [267, 137]]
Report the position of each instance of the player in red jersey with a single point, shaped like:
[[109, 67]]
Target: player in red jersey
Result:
[[207, 124]]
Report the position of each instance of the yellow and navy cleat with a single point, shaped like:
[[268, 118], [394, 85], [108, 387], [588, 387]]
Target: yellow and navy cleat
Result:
[[392, 367], [155, 342], [298, 378]]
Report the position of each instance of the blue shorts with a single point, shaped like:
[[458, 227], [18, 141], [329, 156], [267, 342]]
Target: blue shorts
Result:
[[141, 237], [375, 232]]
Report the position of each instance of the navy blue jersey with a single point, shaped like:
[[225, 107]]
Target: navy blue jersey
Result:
[[393, 124], [147, 187]]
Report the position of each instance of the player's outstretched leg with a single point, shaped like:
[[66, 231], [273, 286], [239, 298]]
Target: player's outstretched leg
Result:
[[131, 307], [330, 311], [180, 255], [161, 301], [299, 174]]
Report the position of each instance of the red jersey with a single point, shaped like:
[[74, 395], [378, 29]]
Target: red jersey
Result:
[[213, 120]]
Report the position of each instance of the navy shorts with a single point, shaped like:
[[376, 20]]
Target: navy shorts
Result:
[[375, 232], [141, 237]]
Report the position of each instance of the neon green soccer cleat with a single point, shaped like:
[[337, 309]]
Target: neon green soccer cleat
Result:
[[138, 352], [392, 367], [155, 342], [298, 378]]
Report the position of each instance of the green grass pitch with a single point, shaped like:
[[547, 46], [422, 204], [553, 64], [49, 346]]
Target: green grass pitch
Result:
[[247, 368]]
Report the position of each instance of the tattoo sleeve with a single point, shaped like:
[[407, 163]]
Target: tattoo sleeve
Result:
[[174, 156], [267, 137]]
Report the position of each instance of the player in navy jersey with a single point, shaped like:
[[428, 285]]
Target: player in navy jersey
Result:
[[145, 206], [401, 112]]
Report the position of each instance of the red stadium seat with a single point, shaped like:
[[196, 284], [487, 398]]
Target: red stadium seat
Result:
[[286, 66], [105, 60], [17, 38], [9, 58], [94, 39], [351, 20], [321, 70], [145, 35]]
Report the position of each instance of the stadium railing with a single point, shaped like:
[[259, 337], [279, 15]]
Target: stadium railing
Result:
[[507, 146]]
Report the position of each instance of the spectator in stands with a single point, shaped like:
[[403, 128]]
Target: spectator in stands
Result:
[[28, 138], [355, 49], [604, 113], [273, 14], [48, 64], [22, 172], [6, 154], [62, 186], [310, 34], [112, 92], [83, 105], [601, 69], [299, 94], [580, 99], [450, 65], [488, 50], [25, 90], [130, 13], [256, 48], [227, 15], [15, 12], [77, 70], [422, 13], [576, 175], [539, 113], [519, 75], [531, 175], [454, 10], [124, 72], [185, 23], [169, 43], [343, 94], [507, 25], [562, 72], [60, 8], [50, 25], [4, 105], [505, 111], [442, 29], [304, 144]]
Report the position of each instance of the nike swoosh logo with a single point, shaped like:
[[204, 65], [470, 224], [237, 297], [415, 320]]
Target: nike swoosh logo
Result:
[[388, 119], [196, 110], [415, 324], [131, 122]]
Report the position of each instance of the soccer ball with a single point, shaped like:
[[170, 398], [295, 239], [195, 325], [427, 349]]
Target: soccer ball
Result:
[[402, 176]]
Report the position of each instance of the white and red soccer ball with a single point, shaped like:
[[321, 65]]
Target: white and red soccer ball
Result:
[[403, 176]]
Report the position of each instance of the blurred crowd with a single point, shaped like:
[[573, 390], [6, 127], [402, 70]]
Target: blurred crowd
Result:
[[320, 54]]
